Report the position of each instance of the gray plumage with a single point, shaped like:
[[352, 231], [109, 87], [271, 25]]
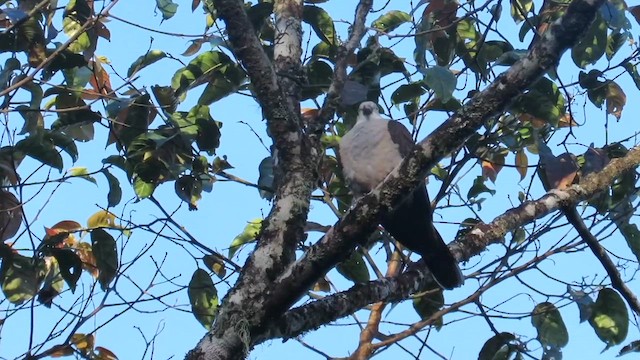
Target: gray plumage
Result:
[[368, 153]]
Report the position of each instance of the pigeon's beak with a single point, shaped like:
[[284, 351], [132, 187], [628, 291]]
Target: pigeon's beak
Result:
[[366, 111]]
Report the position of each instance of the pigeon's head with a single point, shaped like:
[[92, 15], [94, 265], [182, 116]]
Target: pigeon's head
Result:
[[367, 109]]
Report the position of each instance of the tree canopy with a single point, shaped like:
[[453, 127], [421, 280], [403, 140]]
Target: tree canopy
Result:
[[522, 126]]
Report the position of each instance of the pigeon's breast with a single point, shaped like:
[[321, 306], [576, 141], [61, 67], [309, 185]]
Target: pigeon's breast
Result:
[[368, 154]]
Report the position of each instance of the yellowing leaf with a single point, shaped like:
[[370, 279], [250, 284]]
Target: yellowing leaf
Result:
[[60, 351], [215, 264], [558, 172], [522, 163], [85, 253], [104, 354], [81, 172], [67, 225], [491, 167], [102, 218], [535, 122], [567, 121], [610, 318], [84, 343], [322, 285]]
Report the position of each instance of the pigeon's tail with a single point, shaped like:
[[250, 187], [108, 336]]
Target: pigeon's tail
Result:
[[411, 224]]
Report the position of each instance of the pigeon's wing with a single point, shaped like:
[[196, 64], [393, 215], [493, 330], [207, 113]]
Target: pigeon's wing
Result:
[[411, 223], [401, 136]]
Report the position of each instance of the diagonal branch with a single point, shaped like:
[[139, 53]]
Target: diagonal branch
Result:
[[333, 307], [362, 219], [340, 71], [601, 254]]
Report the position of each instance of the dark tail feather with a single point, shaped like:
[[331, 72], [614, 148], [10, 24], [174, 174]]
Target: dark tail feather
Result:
[[441, 263], [411, 224]]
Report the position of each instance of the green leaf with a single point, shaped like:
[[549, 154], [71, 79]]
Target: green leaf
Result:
[[354, 269], [610, 318], [10, 215], [203, 298], [428, 304], [53, 283], [226, 81], [552, 332], [466, 29], [258, 13], [247, 235], [543, 100], [478, 188], [208, 138], [103, 246], [115, 192], [145, 60], [71, 27], [592, 45], [143, 189], [189, 190], [632, 70], [210, 66], [321, 23], [65, 143], [42, 149], [391, 21], [21, 278], [499, 346], [167, 7], [70, 266], [11, 64], [441, 80], [407, 92], [509, 58], [614, 43], [319, 75], [219, 164], [520, 9], [36, 94], [166, 97]]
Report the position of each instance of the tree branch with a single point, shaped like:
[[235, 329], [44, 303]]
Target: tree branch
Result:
[[340, 70], [601, 254], [333, 307], [362, 219]]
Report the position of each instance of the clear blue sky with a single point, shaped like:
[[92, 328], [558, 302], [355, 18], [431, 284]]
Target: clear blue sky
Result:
[[224, 212]]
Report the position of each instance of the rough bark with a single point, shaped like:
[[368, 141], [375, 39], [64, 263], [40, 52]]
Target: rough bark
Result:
[[320, 312], [362, 219], [298, 151], [270, 282]]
